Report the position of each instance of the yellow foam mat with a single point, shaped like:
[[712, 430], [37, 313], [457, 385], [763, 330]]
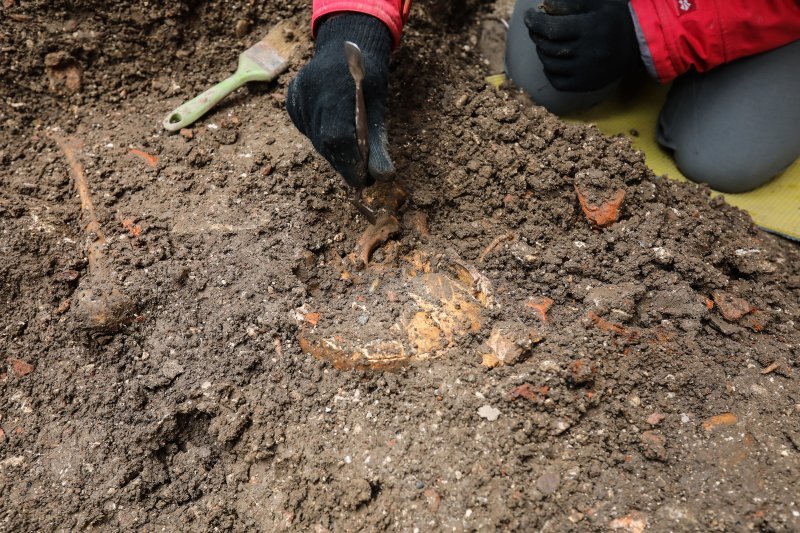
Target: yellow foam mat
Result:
[[775, 206]]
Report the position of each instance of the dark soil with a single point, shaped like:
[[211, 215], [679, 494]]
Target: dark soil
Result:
[[658, 392]]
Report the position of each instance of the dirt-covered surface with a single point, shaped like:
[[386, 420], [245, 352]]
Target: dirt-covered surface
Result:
[[500, 362]]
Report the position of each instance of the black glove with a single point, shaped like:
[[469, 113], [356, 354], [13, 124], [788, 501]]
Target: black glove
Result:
[[584, 45], [322, 98]]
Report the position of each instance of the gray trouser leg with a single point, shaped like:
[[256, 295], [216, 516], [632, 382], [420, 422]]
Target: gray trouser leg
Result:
[[737, 126]]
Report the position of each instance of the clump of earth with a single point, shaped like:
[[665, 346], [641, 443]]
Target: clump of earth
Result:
[[549, 337]]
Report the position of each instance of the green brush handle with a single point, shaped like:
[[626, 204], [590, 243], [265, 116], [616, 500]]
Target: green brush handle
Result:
[[190, 111]]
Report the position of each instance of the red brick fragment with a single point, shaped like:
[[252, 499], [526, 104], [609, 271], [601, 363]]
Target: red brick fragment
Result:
[[540, 306], [527, 391], [604, 214], [731, 307], [605, 325], [312, 318], [20, 367], [134, 230], [725, 419]]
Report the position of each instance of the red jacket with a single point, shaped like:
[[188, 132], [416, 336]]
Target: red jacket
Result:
[[677, 35], [683, 34], [393, 13]]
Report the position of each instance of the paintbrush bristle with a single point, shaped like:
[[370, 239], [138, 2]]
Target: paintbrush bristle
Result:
[[274, 51]]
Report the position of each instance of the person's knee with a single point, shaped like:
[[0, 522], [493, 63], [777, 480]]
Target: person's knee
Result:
[[726, 172]]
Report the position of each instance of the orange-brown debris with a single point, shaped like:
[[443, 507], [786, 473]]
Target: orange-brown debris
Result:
[[604, 214]]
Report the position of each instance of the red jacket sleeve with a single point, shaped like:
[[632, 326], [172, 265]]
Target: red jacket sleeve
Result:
[[393, 13], [683, 34]]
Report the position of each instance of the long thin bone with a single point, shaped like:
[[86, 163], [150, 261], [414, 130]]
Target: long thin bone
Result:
[[69, 146], [101, 305]]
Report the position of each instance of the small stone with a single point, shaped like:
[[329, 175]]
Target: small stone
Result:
[[489, 413], [68, 275], [186, 133], [581, 372], [508, 344], [663, 256], [420, 485], [561, 426], [171, 369], [549, 366], [635, 522], [433, 498], [242, 28], [362, 320], [548, 482], [655, 418], [13, 461], [63, 307], [654, 446]]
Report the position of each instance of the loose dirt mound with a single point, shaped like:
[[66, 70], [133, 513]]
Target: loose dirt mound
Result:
[[553, 339]]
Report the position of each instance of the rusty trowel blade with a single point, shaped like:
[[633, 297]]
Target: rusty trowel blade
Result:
[[355, 62], [364, 209]]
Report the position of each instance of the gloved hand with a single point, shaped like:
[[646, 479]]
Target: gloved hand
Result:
[[584, 45], [322, 99]]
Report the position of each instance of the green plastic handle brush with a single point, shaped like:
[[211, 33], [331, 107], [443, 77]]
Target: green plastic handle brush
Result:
[[264, 61]]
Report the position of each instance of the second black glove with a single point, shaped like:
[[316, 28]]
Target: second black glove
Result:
[[584, 45]]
